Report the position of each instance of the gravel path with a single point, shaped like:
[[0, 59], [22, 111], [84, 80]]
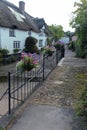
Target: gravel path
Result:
[[60, 89], [51, 106], [62, 85]]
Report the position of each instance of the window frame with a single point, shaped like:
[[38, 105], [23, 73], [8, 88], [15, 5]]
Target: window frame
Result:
[[11, 32], [16, 44], [40, 43]]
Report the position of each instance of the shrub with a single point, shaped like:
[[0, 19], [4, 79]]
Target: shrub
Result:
[[2, 129], [30, 45], [4, 51], [1, 57], [12, 58], [49, 42], [82, 104], [79, 51], [58, 45], [16, 50], [71, 46]]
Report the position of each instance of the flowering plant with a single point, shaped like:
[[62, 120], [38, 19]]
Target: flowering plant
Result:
[[28, 61], [48, 50], [58, 45]]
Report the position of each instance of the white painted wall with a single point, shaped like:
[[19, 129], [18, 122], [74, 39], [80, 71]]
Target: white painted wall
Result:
[[7, 41], [20, 35]]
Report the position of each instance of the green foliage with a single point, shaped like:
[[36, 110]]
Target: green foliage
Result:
[[2, 129], [30, 45], [1, 57], [79, 22], [49, 42], [48, 50], [57, 31], [16, 50], [79, 50], [82, 103], [30, 40], [58, 46], [4, 51], [69, 34], [71, 46], [81, 95]]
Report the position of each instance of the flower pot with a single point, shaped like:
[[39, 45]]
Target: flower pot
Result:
[[29, 67]]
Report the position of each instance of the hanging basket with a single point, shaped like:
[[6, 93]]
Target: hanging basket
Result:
[[49, 53], [29, 67], [57, 46]]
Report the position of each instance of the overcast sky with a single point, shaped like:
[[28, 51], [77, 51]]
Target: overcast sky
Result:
[[53, 11]]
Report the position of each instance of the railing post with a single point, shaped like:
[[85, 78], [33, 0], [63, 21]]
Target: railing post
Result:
[[56, 56], [43, 65], [9, 93]]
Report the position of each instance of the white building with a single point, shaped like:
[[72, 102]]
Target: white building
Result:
[[64, 40], [16, 25]]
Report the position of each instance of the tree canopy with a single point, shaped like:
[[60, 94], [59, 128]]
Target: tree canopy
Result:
[[79, 22], [57, 31]]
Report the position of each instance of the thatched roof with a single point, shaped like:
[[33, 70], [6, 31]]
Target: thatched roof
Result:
[[41, 22], [12, 17]]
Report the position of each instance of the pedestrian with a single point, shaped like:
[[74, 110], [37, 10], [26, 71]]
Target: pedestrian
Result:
[[62, 51]]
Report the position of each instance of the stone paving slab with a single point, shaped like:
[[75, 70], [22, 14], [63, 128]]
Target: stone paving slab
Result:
[[41, 117]]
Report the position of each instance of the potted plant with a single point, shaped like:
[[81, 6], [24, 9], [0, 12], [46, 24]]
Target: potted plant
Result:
[[58, 45], [28, 62], [48, 50]]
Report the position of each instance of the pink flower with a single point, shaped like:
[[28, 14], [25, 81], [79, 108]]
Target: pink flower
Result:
[[35, 62]]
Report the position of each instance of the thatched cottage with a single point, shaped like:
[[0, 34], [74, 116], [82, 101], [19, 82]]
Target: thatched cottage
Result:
[[16, 25]]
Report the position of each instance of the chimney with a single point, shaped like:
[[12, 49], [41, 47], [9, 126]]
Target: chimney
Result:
[[22, 5]]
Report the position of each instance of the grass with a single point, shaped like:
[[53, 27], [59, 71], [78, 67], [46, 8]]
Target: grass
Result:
[[2, 129], [81, 96]]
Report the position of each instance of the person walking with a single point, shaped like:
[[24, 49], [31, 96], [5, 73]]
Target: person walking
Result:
[[62, 51]]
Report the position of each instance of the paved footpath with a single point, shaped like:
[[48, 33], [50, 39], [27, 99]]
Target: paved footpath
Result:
[[51, 107]]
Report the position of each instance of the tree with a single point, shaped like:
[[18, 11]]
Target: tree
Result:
[[69, 34], [57, 31], [79, 22]]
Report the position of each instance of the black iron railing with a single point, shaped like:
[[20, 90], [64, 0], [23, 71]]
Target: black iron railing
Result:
[[22, 84]]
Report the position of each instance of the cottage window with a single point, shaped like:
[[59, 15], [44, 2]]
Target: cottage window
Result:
[[40, 43], [11, 32], [41, 35], [16, 44]]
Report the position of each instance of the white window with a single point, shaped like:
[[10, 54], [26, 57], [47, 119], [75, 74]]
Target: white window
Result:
[[16, 44], [40, 43], [11, 32], [41, 35]]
